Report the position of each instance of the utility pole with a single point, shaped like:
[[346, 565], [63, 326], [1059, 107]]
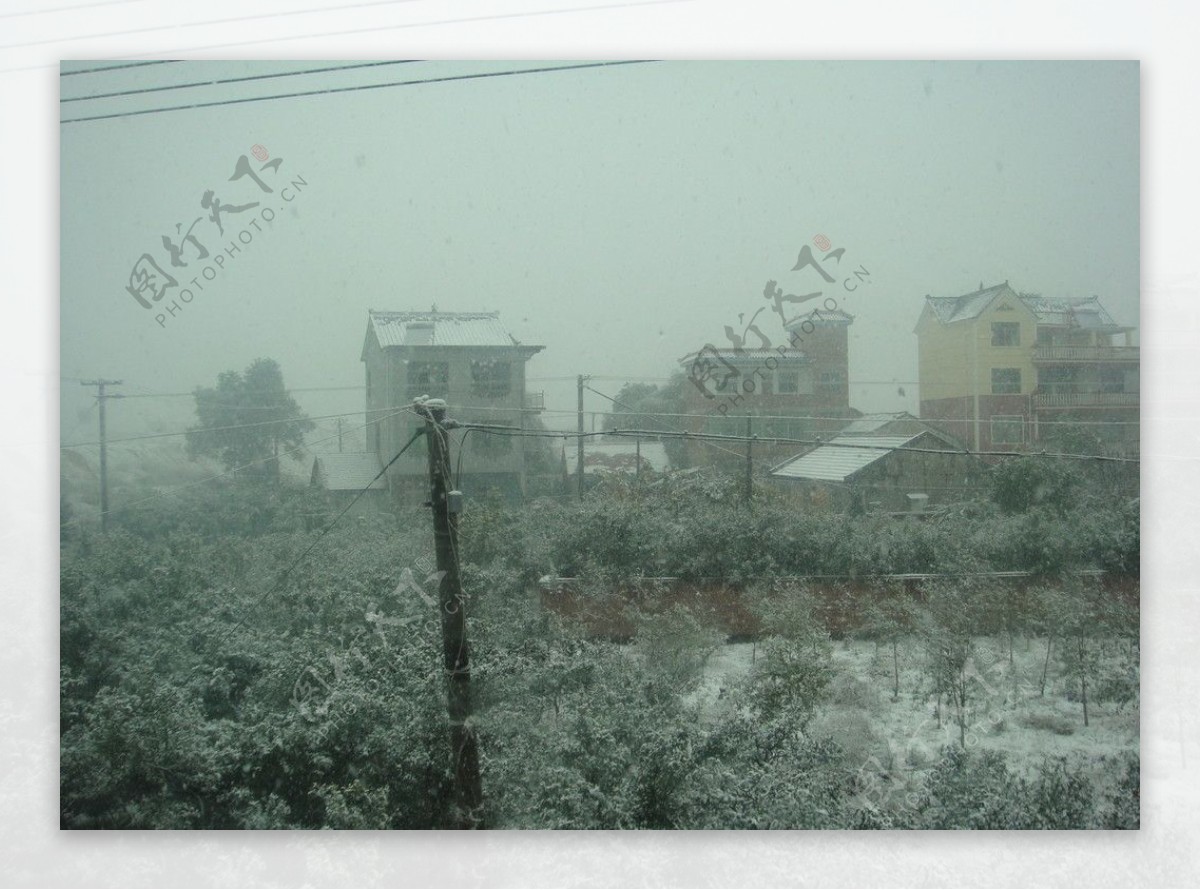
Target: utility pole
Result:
[[749, 460], [101, 396], [339, 420], [638, 476], [447, 505], [579, 443]]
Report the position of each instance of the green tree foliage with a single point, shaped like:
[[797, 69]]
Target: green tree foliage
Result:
[[1021, 483], [210, 681], [650, 406], [246, 419]]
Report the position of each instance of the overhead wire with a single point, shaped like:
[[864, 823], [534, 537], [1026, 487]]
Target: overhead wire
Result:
[[170, 492], [362, 87], [283, 576], [245, 79], [649, 434], [141, 64], [627, 407]]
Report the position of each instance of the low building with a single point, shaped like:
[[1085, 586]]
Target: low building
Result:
[[347, 475], [890, 463]]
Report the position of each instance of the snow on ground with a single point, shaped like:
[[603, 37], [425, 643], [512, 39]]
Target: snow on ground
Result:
[[903, 737]]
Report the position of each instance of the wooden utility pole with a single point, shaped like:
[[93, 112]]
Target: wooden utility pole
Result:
[[638, 471], [339, 420], [101, 396], [579, 443], [447, 504], [749, 460]]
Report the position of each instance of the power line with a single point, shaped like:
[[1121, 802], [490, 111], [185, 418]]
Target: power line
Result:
[[283, 577], [174, 491], [109, 67], [215, 429], [374, 86], [623, 405], [209, 83], [631, 410], [866, 444]]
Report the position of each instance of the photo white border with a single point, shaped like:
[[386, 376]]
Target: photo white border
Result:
[[1160, 36]]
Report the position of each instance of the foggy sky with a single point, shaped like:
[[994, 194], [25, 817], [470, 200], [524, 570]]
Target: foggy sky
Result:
[[619, 216]]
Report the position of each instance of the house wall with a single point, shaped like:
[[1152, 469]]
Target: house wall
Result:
[[957, 359], [498, 458]]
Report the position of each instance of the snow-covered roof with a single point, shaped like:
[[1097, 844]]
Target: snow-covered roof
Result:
[[951, 309], [1087, 313], [821, 316], [351, 471], [840, 458], [410, 328]]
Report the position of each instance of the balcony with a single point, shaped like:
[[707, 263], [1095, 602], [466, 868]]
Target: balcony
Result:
[[1086, 353], [534, 401], [1085, 400]]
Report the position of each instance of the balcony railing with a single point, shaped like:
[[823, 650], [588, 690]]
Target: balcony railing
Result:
[[1084, 399], [534, 401], [1086, 353]]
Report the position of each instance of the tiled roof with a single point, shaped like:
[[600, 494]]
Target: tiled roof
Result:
[[352, 471], [821, 316], [1087, 313], [952, 309], [440, 329], [840, 458]]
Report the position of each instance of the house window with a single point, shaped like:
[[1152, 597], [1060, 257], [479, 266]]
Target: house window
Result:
[[831, 382], [1008, 429], [1056, 381], [787, 382], [428, 378], [1112, 380], [1006, 333], [490, 379], [1006, 381]]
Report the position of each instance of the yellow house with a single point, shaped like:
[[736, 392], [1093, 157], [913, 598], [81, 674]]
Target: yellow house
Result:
[[1001, 370]]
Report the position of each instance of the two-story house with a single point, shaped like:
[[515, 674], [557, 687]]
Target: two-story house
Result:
[[466, 358], [1003, 371]]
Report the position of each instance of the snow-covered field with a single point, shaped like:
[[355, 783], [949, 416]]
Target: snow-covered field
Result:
[[898, 739]]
